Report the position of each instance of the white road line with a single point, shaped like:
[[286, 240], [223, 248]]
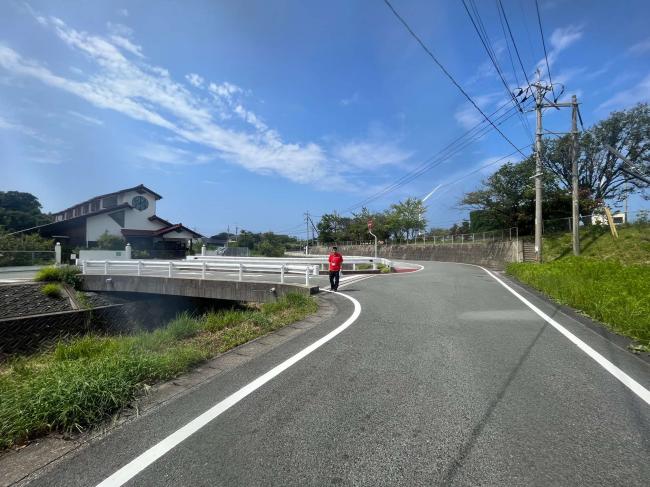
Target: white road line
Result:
[[138, 464], [628, 381]]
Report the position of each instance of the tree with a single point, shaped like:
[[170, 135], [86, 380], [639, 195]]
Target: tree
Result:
[[600, 172], [405, 218], [19, 211], [507, 199], [110, 242]]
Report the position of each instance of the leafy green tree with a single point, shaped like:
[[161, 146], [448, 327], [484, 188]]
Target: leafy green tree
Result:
[[19, 211], [600, 174], [110, 242], [406, 218]]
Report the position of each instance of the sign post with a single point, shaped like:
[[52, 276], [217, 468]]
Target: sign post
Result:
[[374, 262]]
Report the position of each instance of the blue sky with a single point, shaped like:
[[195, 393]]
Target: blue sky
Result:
[[250, 113]]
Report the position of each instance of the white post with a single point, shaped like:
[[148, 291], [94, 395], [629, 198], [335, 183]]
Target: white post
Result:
[[203, 248], [83, 267], [169, 269], [241, 272], [306, 277], [105, 267], [139, 267], [128, 251], [462, 238], [57, 253], [282, 274], [354, 266], [203, 269]]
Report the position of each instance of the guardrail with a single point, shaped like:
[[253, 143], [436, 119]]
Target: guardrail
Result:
[[173, 268], [319, 260]]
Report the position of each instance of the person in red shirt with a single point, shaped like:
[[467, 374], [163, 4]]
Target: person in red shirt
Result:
[[335, 260]]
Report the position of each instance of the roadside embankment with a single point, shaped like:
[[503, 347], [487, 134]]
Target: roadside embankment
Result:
[[81, 382], [495, 255]]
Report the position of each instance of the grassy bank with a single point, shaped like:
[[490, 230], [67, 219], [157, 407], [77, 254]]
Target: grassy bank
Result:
[[609, 291], [632, 246], [83, 381]]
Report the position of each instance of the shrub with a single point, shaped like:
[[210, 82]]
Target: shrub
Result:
[[51, 290], [67, 274], [110, 242]]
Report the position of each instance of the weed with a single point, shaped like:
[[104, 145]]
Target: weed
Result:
[[51, 290], [66, 274]]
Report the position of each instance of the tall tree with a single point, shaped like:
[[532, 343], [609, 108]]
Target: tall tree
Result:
[[600, 172], [19, 211]]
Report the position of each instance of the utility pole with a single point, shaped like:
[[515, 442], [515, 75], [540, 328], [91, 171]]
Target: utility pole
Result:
[[575, 208], [539, 98], [307, 234]]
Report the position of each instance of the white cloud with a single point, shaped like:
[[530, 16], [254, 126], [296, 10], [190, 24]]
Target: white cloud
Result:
[[86, 118], [166, 154], [27, 131], [468, 116], [127, 45], [563, 37], [629, 97], [194, 79], [640, 47], [123, 12], [349, 101], [369, 155], [148, 93]]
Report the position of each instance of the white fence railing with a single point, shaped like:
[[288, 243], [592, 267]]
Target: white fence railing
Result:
[[178, 267], [314, 260]]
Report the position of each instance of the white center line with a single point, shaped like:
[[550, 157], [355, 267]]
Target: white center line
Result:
[[138, 464]]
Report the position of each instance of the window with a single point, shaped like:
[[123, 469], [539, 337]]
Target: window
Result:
[[140, 203], [68, 214], [118, 217], [94, 205], [109, 202]]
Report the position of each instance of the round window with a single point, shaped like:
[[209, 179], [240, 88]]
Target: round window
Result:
[[140, 203]]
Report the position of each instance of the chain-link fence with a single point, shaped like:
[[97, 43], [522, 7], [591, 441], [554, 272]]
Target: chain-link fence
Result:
[[565, 225], [442, 239], [18, 258], [27, 334]]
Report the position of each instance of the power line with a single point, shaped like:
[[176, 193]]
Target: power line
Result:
[[485, 40], [541, 31], [446, 153], [444, 70], [512, 38]]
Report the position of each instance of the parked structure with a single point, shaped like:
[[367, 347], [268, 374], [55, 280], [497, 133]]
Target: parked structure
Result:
[[128, 213]]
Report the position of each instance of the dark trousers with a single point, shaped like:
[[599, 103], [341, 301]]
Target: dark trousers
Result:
[[334, 279]]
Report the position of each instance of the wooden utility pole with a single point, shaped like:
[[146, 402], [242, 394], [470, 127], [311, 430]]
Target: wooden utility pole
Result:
[[307, 234], [575, 208]]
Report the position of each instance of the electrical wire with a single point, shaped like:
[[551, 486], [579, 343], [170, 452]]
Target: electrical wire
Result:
[[541, 32], [446, 72]]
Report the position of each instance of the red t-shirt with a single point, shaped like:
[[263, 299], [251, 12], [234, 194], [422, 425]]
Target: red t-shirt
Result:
[[335, 261]]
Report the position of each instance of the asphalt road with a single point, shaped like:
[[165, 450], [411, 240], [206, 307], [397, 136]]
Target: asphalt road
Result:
[[445, 378]]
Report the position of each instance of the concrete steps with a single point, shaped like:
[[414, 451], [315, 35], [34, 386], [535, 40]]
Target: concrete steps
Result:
[[529, 252]]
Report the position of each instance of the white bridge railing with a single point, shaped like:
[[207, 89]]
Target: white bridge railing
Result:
[[315, 260], [177, 268]]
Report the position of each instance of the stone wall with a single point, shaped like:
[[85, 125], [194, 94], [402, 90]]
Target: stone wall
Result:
[[490, 254]]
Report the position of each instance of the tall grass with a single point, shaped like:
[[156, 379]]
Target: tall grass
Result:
[[67, 274], [618, 295], [84, 381]]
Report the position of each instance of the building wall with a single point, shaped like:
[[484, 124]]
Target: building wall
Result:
[[145, 214], [178, 235], [98, 224]]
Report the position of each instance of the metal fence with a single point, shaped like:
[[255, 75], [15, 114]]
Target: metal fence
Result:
[[565, 225], [19, 258], [443, 239]]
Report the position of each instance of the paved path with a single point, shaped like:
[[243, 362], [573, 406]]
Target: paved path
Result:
[[446, 378]]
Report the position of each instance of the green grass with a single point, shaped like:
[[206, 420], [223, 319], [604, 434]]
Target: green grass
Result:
[[381, 267], [51, 290], [616, 294], [67, 274], [82, 382], [632, 246]]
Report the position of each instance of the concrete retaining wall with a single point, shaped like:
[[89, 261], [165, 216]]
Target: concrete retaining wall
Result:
[[260, 292], [490, 254]]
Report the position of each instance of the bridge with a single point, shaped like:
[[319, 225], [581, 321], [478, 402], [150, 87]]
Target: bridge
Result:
[[217, 277]]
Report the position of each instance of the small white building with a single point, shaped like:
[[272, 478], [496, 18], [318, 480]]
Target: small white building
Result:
[[129, 213]]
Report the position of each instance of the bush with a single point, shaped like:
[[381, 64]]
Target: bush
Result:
[[110, 242], [51, 290], [67, 274]]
